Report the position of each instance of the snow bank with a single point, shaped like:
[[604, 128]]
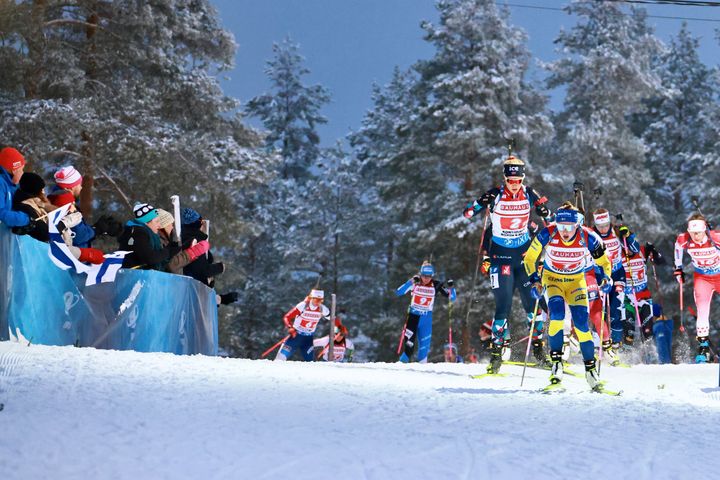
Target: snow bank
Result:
[[85, 413]]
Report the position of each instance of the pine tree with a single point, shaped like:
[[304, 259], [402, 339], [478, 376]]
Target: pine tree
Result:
[[679, 130], [291, 112], [438, 132], [607, 72]]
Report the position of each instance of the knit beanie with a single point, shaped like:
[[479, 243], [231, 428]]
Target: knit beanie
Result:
[[68, 177], [165, 218], [144, 212], [189, 216], [11, 159], [32, 183], [61, 197]]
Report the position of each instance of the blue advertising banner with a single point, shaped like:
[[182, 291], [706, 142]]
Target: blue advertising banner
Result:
[[146, 311]]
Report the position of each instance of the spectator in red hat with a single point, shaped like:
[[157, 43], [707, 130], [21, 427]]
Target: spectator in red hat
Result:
[[12, 165], [68, 185]]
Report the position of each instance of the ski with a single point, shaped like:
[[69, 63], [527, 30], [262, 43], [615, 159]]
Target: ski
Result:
[[601, 389], [553, 388], [547, 368], [485, 375]]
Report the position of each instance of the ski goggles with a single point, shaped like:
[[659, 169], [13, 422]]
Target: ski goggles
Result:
[[566, 227], [513, 180]]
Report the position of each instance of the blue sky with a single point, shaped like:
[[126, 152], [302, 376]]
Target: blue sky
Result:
[[349, 44]]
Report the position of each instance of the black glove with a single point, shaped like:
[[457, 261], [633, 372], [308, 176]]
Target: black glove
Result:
[[26, 229], [486, 199], [227, 298], [654, 254], [450, 283], [416, 279], [215, 269], [679, 275], [623, 231], [542, 210]]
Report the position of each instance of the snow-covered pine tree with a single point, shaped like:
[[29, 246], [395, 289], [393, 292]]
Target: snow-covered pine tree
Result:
[[454, 112], [606, 69], [128, 92], [291, 111], [679, 129]]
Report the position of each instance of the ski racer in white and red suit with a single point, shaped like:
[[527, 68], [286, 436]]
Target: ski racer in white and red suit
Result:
[[613, 238], [343, 347], [509, 206], [701, 244], [301, 323]]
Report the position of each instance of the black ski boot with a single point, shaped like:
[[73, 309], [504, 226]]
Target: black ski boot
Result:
[[539, 353], [556, 370], [495, 358], [591, 376]]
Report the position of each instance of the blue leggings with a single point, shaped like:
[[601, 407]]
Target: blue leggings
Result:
[[418, 330], [302, 343], [579, 313]]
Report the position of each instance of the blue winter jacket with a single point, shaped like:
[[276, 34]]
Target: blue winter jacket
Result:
[[8, 216]]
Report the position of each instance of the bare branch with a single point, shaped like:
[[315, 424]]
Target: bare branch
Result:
[[112, 182], [71, 21]]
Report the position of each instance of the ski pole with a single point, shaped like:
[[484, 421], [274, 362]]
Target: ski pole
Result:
[[682, 309], [532, 329], [402, 334], [477, 269], [634, 294], [657, 283], [450, 339], [267, 352], [602, 326]]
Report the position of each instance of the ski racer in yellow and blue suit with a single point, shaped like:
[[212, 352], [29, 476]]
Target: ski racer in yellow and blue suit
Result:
[[563, 280]]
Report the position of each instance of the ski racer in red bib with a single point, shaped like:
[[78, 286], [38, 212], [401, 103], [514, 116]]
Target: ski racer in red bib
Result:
[[613, 238], [418, 328], [509, 207], [701, 244], [343, 347], [301, 323], [636, 289], [563, 279]]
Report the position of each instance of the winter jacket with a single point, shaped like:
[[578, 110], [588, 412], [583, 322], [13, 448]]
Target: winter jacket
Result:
[[148, 253], [203, 268], [34, 207], [177, 262], [7, 189], [84, 234]]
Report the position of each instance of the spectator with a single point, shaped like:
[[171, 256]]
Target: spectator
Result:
[[68, 182], [204, 269], [30, 198], [140, 236], [183, 258], [12, 166]]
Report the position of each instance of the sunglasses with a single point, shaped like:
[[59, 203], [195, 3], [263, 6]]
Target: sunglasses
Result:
[[514, 181], [566, 227]]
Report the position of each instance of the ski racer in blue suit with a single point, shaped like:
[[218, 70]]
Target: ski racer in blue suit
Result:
[[509, 207], [418, 328]]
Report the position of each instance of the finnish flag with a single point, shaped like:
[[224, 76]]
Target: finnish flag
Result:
[[59, 252], [106, 271]]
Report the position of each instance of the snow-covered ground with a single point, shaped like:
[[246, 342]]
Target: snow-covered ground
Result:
[[85, 413]]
